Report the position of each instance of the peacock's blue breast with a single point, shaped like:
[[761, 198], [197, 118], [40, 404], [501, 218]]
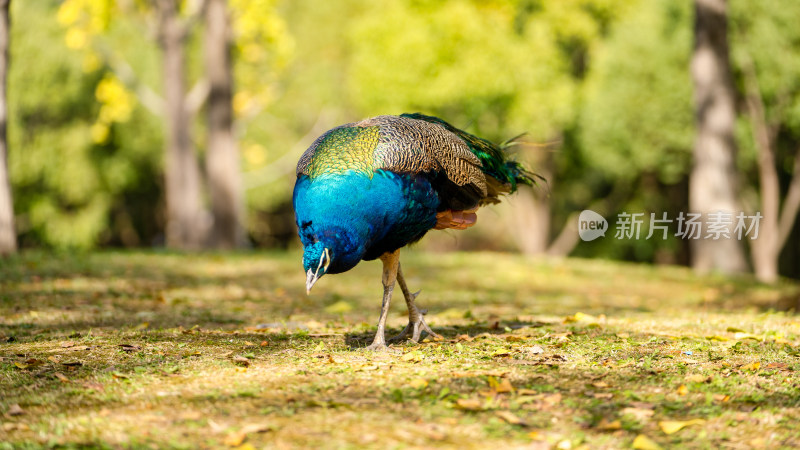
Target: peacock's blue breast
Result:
[[365, 216]]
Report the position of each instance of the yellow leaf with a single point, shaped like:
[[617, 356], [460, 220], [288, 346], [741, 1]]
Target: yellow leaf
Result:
[[673, 426], [683, 390], [21, 365], [752, 366], [419, 383], [413, 356], [235, 439], [643, 442], [509, 417], [609, 426], [504, 386], [469, 404], [697, 378], [747, 336]]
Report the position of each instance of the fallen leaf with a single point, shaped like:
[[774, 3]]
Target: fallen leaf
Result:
[[551, 399], [673, 426], [469, 404], [264, 343], [241, 360], [605, 395], [129, 347], [510, 417], [643, 442], [623, 335], [15, 410], [605, 425], [61, 377], [119, 375], [514, 338], [600, 384], [722, 398], [20, 365], [464, 338], [740, 336], [682, 390], [415, 356], [11, 426], [504, 387], [142, 326], [257, 428], [697, 378], [533, 350], [752, 366], [418, 383], [71, 363], [776, 365], [235, 439], [640, 414], [67, 344], [735, 330], [500, 353], [527, 392]]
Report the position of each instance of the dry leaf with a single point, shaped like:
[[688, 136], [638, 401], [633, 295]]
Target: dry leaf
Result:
[[15, 410], [510, 417], [776, 365], [61, 377], [682, 390], [21, 365], [640, 414], [673, 426], [503, 387], [241, 360], [605, 395], [605, 425], [643, 442], [257, 428], [235, 439], [697, 378], [335, 359], [464, 338], [722, 398], [551, 399], [527, 392], [469, 404], [600, 384], [533, 350]]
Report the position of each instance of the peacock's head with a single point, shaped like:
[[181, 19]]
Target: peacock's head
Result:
[[316, 261]]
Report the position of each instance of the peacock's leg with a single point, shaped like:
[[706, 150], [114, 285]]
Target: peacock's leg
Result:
[[391, 264], [416, 317]]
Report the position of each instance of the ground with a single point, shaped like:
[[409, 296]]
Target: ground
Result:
[[149, 349]]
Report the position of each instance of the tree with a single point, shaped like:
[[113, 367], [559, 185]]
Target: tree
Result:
[[222, 157], [8, 236], [771, 92], [713, 180], [186, 224]]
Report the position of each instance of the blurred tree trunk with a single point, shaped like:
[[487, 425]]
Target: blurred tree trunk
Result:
[[712, 183], [777, 223], [186, 219], [531, 211], [8, 237], [222, 157]]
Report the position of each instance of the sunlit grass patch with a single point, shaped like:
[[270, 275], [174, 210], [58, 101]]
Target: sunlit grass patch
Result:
[[191, 351]]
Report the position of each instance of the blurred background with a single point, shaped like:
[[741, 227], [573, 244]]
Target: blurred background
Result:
[[151, 123]]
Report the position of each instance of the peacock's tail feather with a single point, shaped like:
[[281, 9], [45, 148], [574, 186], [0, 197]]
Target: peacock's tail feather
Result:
[[507, 173]]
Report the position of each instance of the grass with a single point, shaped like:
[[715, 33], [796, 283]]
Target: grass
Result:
[[147, 349]]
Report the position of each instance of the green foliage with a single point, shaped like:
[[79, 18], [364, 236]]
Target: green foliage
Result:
[[66, 184]]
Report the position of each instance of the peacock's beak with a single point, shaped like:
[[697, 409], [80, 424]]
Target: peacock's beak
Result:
[[311, 278]]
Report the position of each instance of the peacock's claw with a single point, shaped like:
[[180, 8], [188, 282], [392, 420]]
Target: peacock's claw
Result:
[[415, 329]]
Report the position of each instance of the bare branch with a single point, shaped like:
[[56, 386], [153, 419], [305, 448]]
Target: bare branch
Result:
[[286, 163], [791, 205], [198, 95], [149, 98]]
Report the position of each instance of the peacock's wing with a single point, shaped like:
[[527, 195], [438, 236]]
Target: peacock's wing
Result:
[[467, 171]]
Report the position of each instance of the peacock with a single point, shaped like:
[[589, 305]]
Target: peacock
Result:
[[366, 189]]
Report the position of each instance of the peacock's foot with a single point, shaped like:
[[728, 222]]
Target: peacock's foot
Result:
[[414, 329]]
